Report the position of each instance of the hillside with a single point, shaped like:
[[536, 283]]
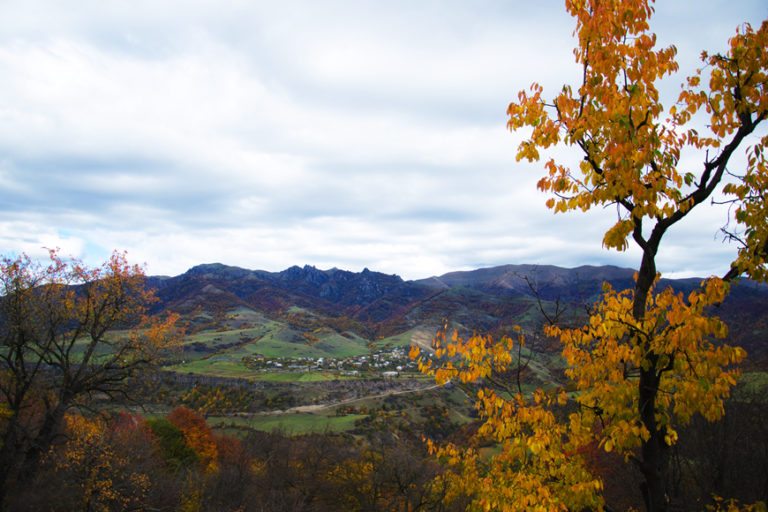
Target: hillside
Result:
[[235, 315]]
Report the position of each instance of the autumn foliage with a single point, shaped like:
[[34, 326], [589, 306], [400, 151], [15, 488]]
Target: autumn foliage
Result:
[[197, 436], [103, 475], [68, 333], [647, 360]]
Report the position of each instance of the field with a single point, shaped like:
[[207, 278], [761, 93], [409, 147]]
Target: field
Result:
[[290, 423], [428, 404], [419, 335]]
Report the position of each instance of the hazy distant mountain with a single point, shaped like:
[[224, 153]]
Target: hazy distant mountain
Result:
[[550, 282]]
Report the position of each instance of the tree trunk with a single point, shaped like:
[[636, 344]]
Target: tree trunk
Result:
[[42, 442], [7, 459], [654, 451], [11, 454]]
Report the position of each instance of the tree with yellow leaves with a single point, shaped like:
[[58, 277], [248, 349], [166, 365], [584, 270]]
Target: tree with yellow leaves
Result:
[[648, 359], [100, 475], [62, 341], [540, 466]]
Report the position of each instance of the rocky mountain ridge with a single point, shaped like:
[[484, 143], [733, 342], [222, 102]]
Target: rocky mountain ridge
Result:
[[375, 305]]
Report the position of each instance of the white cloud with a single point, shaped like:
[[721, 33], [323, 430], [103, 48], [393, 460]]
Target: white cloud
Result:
[[334, 133], [35, 239]]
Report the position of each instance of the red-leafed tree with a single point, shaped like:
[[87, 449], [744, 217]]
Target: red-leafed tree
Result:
[[197, 435]]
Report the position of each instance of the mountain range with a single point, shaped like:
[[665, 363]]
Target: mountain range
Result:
[[324, 308]]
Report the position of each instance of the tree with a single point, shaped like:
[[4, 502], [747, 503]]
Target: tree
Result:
[[97, 467], [176, 453], [197, 435], [63, 342], [648, 359]]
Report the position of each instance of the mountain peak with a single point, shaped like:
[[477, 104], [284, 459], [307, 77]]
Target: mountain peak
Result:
[[307, 273], [217, 270]]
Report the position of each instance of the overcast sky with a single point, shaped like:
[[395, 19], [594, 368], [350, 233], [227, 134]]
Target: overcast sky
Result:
[[342, 134]]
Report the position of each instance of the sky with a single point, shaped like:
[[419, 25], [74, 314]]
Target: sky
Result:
[[346, 134]]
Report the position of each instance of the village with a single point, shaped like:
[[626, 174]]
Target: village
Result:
[[389, 363]]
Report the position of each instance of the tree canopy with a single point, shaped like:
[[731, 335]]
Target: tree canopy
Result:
[[68, 333], [648, 359]]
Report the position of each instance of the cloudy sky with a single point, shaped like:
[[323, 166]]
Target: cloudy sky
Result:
[[332, 133]]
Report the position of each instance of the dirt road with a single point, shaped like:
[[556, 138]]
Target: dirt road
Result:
[[321, 407]]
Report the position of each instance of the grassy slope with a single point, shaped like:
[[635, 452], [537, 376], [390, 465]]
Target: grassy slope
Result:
[[246, 333], [294, 423]]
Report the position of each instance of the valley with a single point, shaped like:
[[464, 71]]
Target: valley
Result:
[[316, 348], [299, 387]]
